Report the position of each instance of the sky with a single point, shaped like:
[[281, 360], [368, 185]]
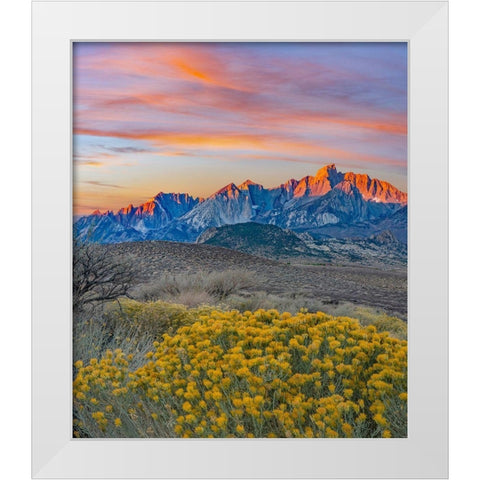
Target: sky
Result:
[[193, 117]]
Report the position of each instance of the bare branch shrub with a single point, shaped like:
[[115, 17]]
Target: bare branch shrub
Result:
[[98, 276]]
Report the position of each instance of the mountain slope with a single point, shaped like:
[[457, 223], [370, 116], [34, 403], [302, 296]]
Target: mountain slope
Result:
[[264, 240], [343, 204], [270, 241], [135, 223], [396, 223]]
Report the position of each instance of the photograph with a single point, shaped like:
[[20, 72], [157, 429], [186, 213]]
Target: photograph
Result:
[[240, 240]]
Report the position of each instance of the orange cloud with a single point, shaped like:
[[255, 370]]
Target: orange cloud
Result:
[[92, 163], [392, 125], [203, 65], [231, 141], [192, 62], [191, 71], [255, 111], [243, 91]]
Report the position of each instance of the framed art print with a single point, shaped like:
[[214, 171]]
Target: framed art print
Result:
[[245, 274]]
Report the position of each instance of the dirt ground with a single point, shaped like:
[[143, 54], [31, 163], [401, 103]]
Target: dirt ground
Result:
[[374, 287]]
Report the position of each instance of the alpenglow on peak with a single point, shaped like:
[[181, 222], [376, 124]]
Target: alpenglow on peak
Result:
[[309, 204]]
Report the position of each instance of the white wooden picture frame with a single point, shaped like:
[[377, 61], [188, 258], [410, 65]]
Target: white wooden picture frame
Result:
[[423, 24]]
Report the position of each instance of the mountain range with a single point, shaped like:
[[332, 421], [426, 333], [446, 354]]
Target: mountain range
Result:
[[330, 203]]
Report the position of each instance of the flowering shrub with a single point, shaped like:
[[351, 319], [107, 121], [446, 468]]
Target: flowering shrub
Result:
[[152, 318], [256, 374]]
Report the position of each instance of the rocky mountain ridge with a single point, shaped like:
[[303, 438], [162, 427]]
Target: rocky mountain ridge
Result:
[[313, 202]]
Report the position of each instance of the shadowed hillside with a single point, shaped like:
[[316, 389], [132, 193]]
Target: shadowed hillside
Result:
[[262, 240]]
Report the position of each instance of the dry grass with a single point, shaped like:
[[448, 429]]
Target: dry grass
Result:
[[94, 335], [239, 289], [159, 262], [195, 289]]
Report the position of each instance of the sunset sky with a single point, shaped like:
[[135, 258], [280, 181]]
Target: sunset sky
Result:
[[193, 117]]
